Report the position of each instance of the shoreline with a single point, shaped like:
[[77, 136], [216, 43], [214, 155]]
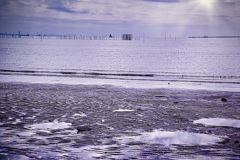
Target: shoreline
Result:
[[124, 83], [112, 112]]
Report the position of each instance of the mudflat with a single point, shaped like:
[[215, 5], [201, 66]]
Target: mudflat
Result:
[[56, 121]]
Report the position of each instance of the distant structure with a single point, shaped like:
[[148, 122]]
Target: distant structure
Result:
[[41, 36], [19, 34], [216, 37], [127, 37]]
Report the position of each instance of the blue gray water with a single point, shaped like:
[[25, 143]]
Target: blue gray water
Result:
[[156, 62]]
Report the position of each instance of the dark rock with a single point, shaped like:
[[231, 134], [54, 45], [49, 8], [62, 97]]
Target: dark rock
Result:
[[224, 99], [159, 96], [83, 128], [236, 142]]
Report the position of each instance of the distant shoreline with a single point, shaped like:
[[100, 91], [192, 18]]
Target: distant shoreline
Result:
[[216, 37], [92, 37]]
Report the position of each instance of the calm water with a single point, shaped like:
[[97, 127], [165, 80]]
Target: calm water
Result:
[[199, 63]]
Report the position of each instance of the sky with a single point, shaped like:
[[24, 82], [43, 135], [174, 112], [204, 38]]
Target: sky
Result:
[[153, 18]]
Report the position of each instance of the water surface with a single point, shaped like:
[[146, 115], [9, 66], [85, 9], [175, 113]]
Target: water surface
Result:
[[200, 63]]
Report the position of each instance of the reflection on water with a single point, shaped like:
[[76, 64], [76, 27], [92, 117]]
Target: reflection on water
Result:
[[168, 138], [13, 157], [219, 122]]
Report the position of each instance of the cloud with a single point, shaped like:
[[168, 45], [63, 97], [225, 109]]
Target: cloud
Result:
[[68, 6], [163, 1], [62, 9], [233, 2], [4, 3], [117, 15], [62, 6]]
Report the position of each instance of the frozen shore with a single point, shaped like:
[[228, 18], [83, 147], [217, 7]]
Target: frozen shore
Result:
[[41, 121]]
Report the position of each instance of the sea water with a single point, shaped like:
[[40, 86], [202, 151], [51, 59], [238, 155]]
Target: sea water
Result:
[[204, 63]]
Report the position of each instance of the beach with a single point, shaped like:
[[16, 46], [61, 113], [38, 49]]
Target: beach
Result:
[[123, 79], [60, 121]]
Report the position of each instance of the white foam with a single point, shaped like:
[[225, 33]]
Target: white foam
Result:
[[168, 138], [219, 122], [123, 110], [79, 115], [53, 125]]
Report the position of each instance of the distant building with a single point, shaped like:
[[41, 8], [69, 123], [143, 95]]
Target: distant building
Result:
[[127, 37]]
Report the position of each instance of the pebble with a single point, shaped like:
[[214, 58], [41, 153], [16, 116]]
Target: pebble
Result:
[[224, 99]]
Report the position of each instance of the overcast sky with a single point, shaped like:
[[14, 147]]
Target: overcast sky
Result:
[[155, 18]]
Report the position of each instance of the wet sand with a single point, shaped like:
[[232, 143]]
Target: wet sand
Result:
[[41, 121]]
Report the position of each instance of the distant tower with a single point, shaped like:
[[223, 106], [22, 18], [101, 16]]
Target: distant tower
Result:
[[19, 34]]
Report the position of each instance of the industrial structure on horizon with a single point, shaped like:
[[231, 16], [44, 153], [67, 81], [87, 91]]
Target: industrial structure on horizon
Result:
[[127, 37]]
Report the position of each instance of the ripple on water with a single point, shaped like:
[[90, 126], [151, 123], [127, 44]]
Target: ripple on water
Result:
[[127, 149], [14, 157], [33, 137], [219, 122]]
